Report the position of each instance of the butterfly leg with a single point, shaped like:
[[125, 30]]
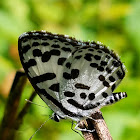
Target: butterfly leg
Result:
[[84, 129], [74, 129], [114, 97]]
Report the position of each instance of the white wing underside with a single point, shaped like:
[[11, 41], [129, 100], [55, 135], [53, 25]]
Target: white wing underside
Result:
[[88, 75]]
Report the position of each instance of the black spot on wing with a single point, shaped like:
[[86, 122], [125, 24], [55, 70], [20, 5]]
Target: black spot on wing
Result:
[[91, 96], [100, 68], [45, 44], [91, 50], [111, 78], [67, 75], [54, 87], [74, 73], [105, 83], [94, 65], [89, 106], [35, 44], [111, 100], [81, 86], [68, 65], [101, 78], [37, 53], [55, 46], [104, 94], [103, 63], [99, 51], [55, 52], [108, 70], [61, 61], [113, 87], [25, 40], [43, 77], [83, 95], [26, 48], [120, 74], [88, 56], [115, 63], [66, 49], [30, 63], [46, 56], [77, 105], [97, 57], [69, 94], [78, 56]]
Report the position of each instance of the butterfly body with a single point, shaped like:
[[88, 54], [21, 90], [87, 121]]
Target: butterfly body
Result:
[[73, 78]]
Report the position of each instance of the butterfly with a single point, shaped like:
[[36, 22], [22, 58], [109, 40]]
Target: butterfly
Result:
[[72, 77]]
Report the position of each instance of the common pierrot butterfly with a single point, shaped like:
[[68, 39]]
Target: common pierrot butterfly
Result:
[[72, 77]]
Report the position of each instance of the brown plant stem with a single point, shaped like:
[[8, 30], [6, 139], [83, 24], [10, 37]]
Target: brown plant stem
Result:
[[11, 119], [98, 124], [23, 112]]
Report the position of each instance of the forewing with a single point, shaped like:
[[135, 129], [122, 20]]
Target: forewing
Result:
[[42, 55]]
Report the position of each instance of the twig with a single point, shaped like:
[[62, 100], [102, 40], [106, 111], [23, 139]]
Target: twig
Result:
[[10, 120], [12, 106], [24, 111], [101, 131]]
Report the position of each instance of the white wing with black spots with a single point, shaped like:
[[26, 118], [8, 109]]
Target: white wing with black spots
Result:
[[74, 78], [95, 76]]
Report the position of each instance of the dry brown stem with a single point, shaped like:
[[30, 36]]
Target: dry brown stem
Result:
[[98, 124], [11, 119]]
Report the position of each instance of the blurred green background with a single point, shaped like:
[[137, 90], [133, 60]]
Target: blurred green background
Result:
[[116, 23]]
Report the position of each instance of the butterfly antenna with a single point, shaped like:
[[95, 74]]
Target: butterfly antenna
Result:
[[38, 129], [35, 103]]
